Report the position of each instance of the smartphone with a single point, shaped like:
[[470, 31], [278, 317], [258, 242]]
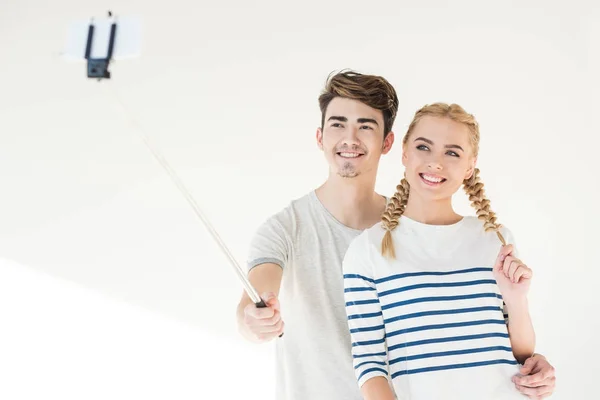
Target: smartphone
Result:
[[127, 39]]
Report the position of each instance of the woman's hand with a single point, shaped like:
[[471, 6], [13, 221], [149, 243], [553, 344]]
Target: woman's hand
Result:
[[512, 276]]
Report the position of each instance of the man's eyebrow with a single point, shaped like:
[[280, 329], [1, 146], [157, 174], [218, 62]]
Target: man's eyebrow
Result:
[[359, 120], [365, 120]]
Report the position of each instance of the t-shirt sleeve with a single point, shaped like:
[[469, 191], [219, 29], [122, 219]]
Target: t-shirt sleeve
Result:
[[270, 244], [363, 311]]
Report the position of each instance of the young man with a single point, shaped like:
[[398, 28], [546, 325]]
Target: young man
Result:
[[296, 256]]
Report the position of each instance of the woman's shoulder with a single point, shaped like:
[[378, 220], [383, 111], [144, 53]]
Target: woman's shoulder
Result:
[[477, 227], [368, 239], [374, 234]]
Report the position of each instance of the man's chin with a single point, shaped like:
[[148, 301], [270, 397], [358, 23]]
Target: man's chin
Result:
[[348, 174]]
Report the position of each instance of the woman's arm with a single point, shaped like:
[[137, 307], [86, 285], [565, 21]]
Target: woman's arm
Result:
[[377, 388], [520, 330], [513, 279], [365, 322]]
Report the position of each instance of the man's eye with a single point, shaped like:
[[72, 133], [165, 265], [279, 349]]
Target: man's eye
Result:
[[336, 125], [366, 127]]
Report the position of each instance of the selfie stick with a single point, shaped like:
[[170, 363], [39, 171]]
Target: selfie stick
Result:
[[98, 68], [252, 293]]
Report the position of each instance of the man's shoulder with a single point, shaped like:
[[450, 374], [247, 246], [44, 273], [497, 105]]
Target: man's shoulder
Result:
[[287, 216]]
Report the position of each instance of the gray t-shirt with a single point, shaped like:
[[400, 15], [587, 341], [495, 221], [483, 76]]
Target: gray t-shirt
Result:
[[314, 359]]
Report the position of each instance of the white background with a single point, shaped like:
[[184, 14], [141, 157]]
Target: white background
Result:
[[111, 288]]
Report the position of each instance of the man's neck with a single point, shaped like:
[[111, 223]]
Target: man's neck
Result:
[[352, 201]]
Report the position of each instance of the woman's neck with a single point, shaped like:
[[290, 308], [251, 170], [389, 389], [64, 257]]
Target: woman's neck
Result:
[[431, 212]]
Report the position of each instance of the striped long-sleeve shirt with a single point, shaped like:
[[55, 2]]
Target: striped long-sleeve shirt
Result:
[[432, 321]]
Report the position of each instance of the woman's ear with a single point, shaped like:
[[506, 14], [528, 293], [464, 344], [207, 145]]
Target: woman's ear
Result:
[[471, 169]]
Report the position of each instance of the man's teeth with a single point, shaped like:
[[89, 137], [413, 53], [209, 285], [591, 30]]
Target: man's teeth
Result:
[[350, 155], [432, 179]]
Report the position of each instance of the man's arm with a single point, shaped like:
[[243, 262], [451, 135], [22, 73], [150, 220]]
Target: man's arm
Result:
[[269, 253], [260, 325]]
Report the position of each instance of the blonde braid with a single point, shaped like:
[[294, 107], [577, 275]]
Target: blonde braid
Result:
[[391, 217], [474, 189]]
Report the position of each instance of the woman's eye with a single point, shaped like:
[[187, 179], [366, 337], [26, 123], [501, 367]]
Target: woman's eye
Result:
[[453, 154], [422, 147]]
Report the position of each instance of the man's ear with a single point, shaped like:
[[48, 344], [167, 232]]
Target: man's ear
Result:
[[387, 143], [319, 137]]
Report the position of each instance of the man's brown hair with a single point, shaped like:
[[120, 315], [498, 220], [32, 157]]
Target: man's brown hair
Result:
[[372, 90]]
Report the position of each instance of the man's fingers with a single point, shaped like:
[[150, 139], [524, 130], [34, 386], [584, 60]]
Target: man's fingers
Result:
[[278, 328], [542, 381], [271, 328], [527, 366], [273, 303], [527, 390], [266, 321], [535, 380], [525, 370], [540, 391], [266, 336], [270, 321], [529, 380], [259, 313], [535, 393], [271, 300]]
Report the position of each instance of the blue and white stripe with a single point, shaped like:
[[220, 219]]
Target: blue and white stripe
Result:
[[419, 322]]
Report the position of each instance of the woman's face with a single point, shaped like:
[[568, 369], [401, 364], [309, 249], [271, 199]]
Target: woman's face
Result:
[[438, 157]]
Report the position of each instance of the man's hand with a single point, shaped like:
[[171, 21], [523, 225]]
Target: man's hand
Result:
[[538, 379], [263, 324]]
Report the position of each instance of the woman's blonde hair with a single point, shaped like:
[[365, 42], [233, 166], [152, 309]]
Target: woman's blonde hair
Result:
[[472, 186]]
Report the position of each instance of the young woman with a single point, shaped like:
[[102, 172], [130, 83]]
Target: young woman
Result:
[[437, 302]]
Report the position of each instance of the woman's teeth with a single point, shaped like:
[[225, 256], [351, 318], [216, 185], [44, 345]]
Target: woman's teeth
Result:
[[432, 179]]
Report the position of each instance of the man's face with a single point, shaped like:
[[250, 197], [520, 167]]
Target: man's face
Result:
[[352, 138]]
